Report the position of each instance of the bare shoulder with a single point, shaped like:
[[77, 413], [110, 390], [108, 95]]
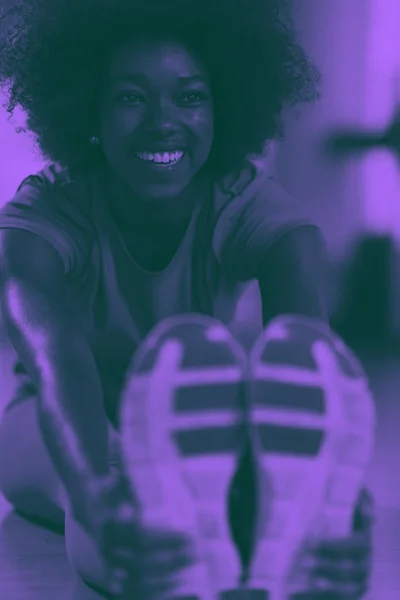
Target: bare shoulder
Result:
[[32, 283], [36, 309], [25, 254]]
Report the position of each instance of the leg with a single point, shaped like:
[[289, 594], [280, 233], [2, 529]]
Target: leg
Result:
[[27, 476], [30, 483]]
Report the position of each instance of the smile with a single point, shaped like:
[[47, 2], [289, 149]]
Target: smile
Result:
[[162, 159]]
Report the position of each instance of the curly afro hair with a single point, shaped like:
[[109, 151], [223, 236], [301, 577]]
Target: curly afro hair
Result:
[[53, 54]]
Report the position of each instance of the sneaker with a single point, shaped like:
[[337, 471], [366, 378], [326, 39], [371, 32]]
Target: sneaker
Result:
[[182, 429], [313, 429]]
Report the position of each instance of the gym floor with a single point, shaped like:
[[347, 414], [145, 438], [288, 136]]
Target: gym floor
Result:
[[33, 564]]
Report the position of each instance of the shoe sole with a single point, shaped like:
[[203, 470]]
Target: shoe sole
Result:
[[181, 432], [313, 429]]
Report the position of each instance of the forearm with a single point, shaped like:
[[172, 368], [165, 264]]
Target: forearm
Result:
[[73, 421], [50, 335]]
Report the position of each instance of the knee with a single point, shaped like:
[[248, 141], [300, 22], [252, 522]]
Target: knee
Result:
[[14, 487], [20, 483], [12, 480], [28, 500], [9, 485]]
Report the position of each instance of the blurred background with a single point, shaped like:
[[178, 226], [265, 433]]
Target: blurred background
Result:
[[354, 196]]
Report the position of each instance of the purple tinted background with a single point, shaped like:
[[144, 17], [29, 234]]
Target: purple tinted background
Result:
[[357, 46]]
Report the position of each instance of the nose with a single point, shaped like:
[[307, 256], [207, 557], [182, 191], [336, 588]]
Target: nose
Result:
[[161, 118]]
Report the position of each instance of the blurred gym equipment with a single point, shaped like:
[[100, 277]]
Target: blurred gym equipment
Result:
[[346, 143], [371, 285]]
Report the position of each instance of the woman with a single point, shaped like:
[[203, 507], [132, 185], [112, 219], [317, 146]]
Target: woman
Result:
[[151, 110]]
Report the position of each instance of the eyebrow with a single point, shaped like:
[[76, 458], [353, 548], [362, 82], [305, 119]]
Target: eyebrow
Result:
[[143, 79]]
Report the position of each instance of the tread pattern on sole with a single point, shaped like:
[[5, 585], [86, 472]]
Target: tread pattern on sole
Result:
[[326, 401], [181, 407]]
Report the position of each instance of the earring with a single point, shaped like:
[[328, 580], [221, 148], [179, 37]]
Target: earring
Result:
[[95, 141]]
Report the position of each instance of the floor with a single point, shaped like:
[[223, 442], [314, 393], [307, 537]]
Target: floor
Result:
[[33, 565]]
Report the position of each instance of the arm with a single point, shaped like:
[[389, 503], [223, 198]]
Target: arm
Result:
[[292, 275], [50, 339]]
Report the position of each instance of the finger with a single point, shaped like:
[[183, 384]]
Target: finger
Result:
[[147, 542], [149, 571], [149, 589], [328, 594], [356, 547], [126, 513], [122, 554], [157, 570], [365, 514], [121, 559], [151, 540], [346, 572], [118, 586], [121, 578], [164, 563], [326, 589], [121, 534], [129, 533], [158, 564]]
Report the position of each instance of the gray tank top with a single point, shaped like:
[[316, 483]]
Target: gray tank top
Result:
[[121, 302]]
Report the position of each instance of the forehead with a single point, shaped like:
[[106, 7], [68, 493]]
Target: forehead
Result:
[[164, 55]]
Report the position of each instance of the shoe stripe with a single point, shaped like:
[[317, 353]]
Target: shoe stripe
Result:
[[289, 374], [195, 377], [183, 377], [216, 397], [295, 346], [209, 355], [290, 440], [288, 351], [273, 439], [293, 388], [284, 395], [220, 418], [208, 440], [288, 418], [202, 348], [247, 594], [208, 376]]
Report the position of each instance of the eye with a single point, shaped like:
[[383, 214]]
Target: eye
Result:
[[129, 98], [194, 97]]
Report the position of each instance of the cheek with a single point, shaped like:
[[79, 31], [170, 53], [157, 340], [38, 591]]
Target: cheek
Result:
[[203, 123], [117, 123]]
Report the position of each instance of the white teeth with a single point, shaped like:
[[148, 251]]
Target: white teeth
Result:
[[161, 158]]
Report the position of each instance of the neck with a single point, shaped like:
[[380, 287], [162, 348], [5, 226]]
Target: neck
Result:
[[132, 212]]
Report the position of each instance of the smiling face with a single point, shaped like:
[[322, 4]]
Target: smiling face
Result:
[[156, 118]]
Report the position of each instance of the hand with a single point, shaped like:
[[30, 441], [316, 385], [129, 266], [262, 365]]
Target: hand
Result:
[[342, 568], [144, 563]]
